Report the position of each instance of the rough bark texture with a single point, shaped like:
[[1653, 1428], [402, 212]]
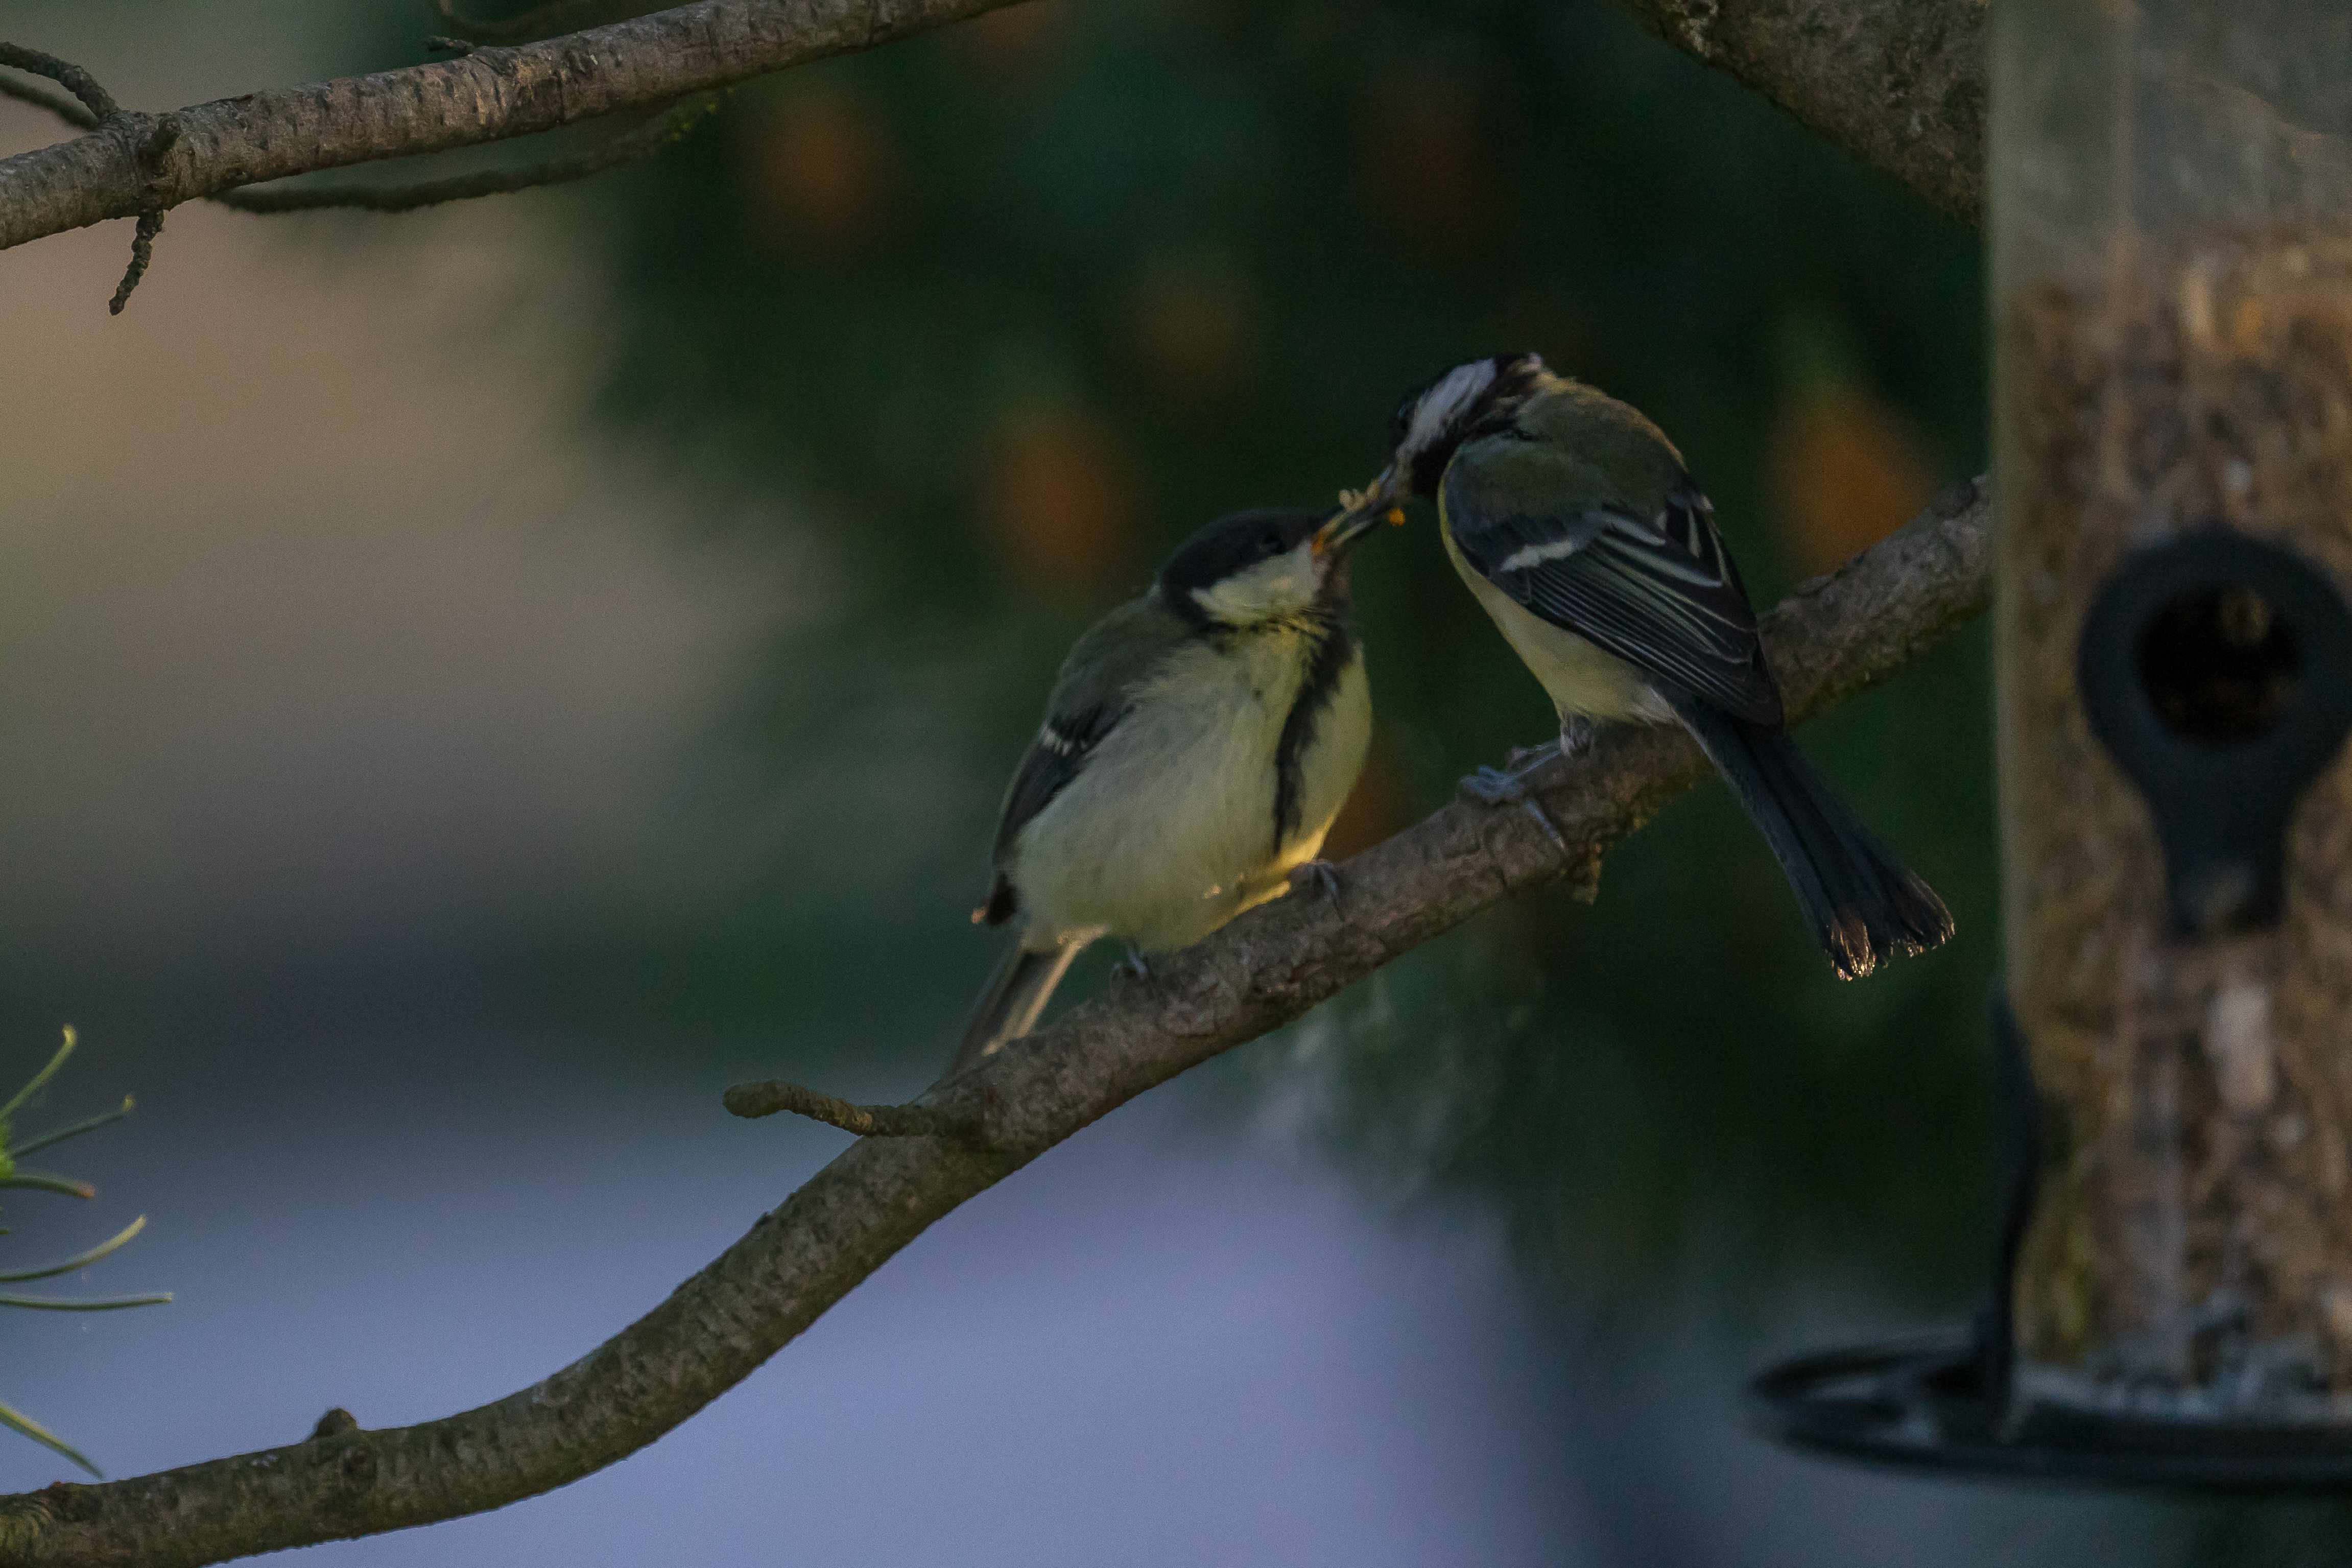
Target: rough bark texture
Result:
[[1836, 636], [489, 95], [1900, 84]]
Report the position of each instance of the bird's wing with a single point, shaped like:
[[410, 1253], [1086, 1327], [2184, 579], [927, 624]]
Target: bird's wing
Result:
[[1659, 591], [1054, 757], [1094, 692]]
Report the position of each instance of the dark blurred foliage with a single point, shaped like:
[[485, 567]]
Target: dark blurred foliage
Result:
[[1007, 309]]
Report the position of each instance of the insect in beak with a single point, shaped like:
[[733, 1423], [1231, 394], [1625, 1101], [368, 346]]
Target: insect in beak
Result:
[[1360, 511]]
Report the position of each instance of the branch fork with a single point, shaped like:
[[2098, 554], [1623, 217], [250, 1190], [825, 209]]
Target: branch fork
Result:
[[962, 1123], [145, 139]]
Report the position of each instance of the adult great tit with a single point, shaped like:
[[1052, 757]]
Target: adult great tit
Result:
[[1573, 519], [1198, 742]]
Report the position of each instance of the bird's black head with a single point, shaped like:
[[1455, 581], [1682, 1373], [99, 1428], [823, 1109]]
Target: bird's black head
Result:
[[1248, 566], [1436, 416]]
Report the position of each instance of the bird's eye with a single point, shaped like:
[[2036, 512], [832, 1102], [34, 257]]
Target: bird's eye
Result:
[[1270, 542]]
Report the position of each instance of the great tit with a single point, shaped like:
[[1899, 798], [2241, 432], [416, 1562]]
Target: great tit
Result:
[[1198, 742], [1573, 519]]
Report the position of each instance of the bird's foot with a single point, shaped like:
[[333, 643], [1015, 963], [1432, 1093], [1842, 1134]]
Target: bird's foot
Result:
[[1135, 963], [1320, 873], [1494, 786], [1524, 759]]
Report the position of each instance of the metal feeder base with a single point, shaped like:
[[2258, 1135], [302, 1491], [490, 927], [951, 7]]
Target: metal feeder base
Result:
[[1922, 1405]]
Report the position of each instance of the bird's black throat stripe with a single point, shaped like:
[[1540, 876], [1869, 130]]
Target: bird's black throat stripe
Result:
[[1335, 648]]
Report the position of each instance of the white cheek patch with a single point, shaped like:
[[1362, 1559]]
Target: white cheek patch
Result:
[[1452, 396], [1282, 585]]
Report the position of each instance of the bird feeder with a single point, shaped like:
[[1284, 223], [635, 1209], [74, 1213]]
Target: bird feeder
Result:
[[2172, 315]]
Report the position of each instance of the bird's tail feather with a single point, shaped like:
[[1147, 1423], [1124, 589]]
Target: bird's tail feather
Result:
[[1864, 905], [1016, 994]]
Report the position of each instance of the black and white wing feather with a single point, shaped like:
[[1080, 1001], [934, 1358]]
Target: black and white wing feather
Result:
[[1057, 755], [1064, 743], [1660, 592], [1095, 692]]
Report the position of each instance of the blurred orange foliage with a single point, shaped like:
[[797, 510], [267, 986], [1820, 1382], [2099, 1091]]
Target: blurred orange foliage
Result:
[[1014, 45], [1424, 170], [1193, 324], [821, 165], [1058, 495], [1845, 471]]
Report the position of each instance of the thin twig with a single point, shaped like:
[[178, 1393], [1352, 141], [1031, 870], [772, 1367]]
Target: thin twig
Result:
[[639, 65], [162, 134], [548, 18], [73, 1129], [64, 108], [103, 113], [143, 251], [755, 1100], [620, 148], [66, 74]]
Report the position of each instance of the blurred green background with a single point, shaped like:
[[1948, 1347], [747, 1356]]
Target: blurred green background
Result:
[[896, 374], [1021, 304]]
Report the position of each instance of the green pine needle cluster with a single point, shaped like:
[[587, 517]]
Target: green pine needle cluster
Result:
[[13, 1174]]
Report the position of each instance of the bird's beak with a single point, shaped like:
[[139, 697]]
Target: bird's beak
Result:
[[1361, 513]]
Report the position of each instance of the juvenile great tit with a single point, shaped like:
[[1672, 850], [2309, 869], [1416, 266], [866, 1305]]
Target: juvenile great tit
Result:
[[1198, 742], [1573, 519]]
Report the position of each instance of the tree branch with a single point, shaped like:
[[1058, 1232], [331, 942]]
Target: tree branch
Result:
[[757, 1100], [148, 139], [489, 95], [1899, 84], [621, 147], [1836, 636]]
